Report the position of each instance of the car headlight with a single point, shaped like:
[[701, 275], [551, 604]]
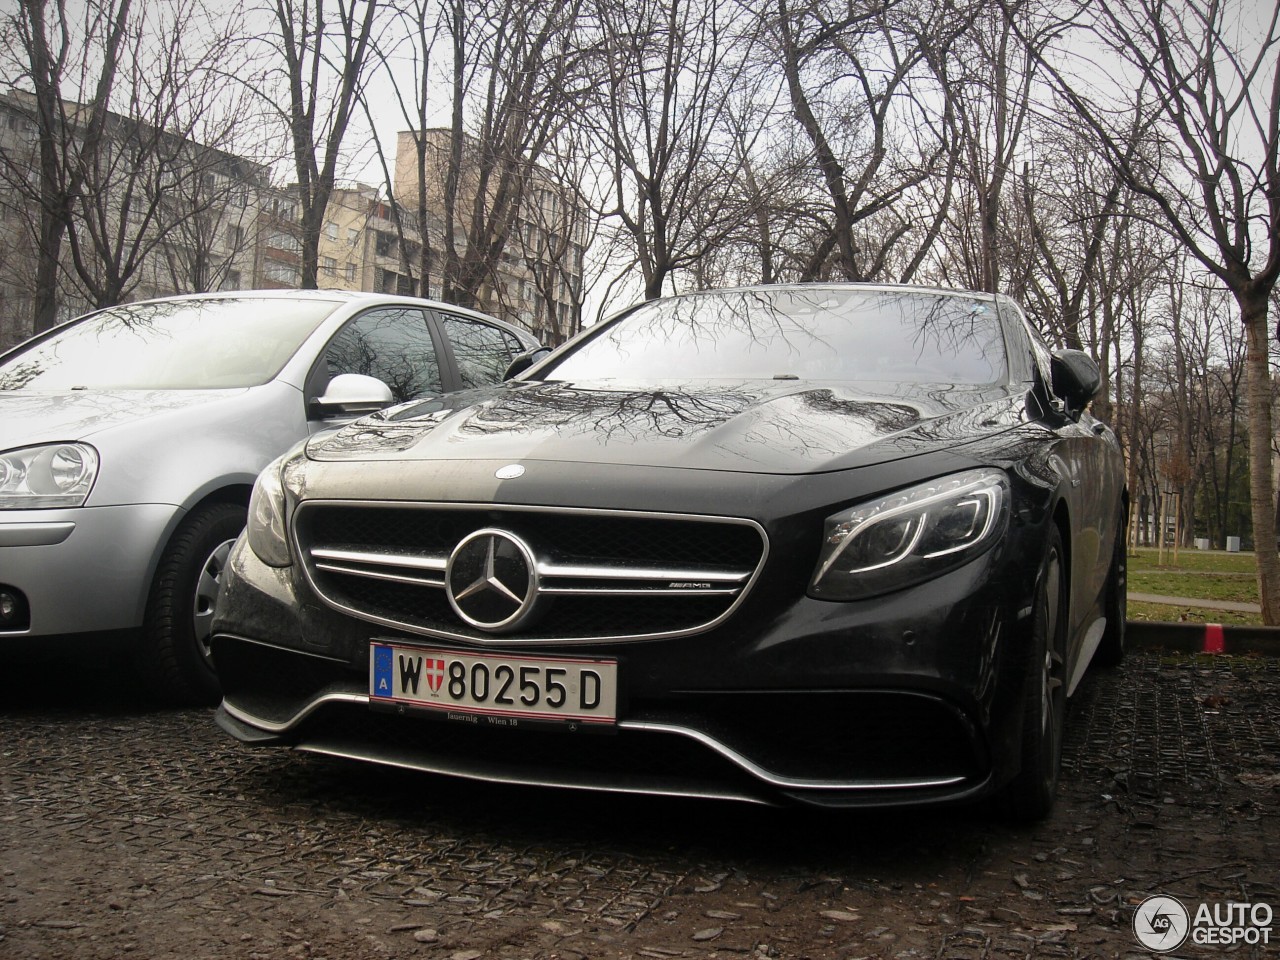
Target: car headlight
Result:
[[52, 475], [911, 535], [265, 530]]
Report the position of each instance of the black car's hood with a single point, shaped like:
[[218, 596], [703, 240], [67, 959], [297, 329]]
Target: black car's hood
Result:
[[784, 427]]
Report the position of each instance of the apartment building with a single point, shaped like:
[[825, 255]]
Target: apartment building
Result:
[[158, 214], [538, 279], [177, 216]]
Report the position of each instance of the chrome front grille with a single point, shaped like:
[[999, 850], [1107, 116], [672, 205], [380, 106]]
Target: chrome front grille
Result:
[[601, 576]]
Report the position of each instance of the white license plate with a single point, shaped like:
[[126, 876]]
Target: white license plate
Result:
[[495, 685]]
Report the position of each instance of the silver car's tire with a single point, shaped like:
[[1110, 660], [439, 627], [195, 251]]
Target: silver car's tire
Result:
[[174, 650]]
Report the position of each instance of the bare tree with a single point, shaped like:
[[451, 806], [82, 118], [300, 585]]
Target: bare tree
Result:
[[210, 223], [1062, 236], [668, 68], [510, 74], [160, 174], [414, 33], [69, 67], [1070, 204], [325, 52], [524, 63], [993, 103], [137, 178], [851, 72], [1210, 103], [553, 241]]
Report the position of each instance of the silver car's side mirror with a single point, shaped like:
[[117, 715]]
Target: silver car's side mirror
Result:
[[352, 394]]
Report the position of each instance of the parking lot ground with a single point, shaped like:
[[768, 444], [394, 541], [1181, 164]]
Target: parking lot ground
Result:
[[126, 831]]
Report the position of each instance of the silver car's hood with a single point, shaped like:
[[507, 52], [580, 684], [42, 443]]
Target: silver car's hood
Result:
[[27, 419]]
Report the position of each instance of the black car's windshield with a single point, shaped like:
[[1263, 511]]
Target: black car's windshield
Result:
[[174, 345], [817, 333]]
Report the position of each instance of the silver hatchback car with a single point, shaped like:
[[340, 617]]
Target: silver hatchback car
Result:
[[130, 439]]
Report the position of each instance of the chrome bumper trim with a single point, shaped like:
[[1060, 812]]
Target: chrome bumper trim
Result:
[[285, 726], [790, 783], [477, 769], [378, 752]]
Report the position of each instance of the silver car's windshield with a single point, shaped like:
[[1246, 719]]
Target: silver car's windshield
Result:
[[816, 333], [176, 345]]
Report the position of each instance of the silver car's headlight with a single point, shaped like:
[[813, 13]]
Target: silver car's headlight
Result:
[[911, 535], [51, 475], [266, 531]]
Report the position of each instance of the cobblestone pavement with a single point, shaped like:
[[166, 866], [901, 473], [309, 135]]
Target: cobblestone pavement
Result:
[[130, 832]]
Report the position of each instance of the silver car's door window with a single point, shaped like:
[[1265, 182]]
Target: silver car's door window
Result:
[[481, 350], [392, 344]]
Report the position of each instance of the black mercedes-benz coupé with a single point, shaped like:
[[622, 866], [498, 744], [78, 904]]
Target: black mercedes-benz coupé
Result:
[[838, 544]]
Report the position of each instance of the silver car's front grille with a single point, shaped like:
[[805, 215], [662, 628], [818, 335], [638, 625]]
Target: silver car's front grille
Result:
[[592, 576]]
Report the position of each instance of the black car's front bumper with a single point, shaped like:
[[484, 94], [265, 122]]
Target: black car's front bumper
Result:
[[912, 697]]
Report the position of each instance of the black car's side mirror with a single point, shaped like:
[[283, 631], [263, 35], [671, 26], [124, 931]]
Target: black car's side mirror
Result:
[[1076, 379], [524, 361]]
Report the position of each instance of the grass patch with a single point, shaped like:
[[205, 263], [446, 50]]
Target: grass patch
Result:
[[1198, 575], [1166, 613], [1205, 586], [1204, 561], [1202, 574]]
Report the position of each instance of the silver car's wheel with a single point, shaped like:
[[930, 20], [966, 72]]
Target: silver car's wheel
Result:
[[207, 595], [174, 653]]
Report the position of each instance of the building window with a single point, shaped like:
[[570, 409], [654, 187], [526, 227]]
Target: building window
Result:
[[351, 273], [235, 239], [284, 241], [280, 272], [232, 280], [352, 236], [329, 266], [331, 230]]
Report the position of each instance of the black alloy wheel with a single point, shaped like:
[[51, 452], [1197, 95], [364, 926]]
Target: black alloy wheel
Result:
[[1029, 796]]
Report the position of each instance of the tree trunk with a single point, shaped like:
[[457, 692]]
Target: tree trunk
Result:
[[48, 265], [1262, 498], [1132, 445]]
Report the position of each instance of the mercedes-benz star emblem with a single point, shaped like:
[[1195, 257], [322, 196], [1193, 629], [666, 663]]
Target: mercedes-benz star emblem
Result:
[[491, 580]]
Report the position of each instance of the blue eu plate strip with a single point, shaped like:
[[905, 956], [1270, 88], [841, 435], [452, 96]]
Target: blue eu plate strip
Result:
[[382, 665]]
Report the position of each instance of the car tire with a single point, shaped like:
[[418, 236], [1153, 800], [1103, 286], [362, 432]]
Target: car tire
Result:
[[1112, 648], [174, 654], [1029, 796]]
